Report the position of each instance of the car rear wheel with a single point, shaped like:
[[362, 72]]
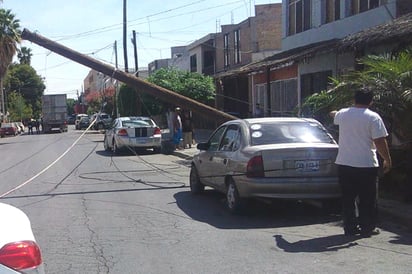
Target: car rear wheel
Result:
[[332, 205], [115, 148], [196, 187], [157, 149], [233, 201], [106, 144]]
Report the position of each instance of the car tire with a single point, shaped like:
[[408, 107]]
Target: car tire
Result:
[[196, 187], [157, 150], [332, 205], [233, 201], [115, 148], [106, 144]]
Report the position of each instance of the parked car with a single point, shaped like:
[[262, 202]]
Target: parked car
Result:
[[19, 251], [78, 117], [103, 121], [71, 119], [83, 123], [133, 133], [8, 129], [284, 158]]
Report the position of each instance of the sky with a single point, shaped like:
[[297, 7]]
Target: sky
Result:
[[92, 27]]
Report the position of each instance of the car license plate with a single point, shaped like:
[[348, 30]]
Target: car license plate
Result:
[[307, 166]]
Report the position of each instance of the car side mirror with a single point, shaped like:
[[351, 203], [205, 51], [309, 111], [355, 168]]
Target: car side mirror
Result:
[[203, 146]]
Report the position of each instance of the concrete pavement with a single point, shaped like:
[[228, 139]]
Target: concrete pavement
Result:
[[398, 211]]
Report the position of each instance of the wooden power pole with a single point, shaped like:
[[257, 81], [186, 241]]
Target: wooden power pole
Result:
[[129, 79]]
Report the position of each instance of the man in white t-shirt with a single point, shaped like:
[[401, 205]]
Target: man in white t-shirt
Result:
[[361, 133]]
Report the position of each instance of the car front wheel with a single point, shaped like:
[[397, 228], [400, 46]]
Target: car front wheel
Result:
[[233, 201], [196, 187]]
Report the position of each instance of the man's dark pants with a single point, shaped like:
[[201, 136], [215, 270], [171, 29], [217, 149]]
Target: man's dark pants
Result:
[[359, 193]]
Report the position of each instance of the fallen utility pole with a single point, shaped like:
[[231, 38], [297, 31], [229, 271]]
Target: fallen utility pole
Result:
[[129, 79]]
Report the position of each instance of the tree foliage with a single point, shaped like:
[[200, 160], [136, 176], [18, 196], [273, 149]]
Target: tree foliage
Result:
[[24, 55], [389, 75], [18, 108], [101, 101], [190, 84], [128, 101], [9, 38], [24, 80]]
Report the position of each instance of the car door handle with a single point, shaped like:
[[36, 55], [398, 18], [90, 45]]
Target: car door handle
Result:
[[211, 158], [225, 161]]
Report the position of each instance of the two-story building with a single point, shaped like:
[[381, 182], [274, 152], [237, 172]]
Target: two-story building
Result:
[[222, 54], [318, 41], [241, 44]]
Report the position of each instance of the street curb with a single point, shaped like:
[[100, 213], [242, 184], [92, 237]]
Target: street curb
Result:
[[396, 211]]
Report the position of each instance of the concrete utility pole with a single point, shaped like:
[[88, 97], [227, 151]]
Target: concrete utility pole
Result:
[[136, 63], [129, 79], [126, 66]]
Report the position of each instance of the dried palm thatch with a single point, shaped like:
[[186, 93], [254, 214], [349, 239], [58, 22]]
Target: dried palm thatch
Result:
[[398, 31]]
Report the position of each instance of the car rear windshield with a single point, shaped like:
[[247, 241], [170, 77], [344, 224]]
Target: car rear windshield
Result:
[[291, 132], [135, 123]]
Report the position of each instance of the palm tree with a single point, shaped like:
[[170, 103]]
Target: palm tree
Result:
[[24, 54], [9, 37], [390, 77]]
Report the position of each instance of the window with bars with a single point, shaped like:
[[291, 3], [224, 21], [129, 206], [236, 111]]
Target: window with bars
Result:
[[332, 10], [358, 6], [260, 97], [237, 57], [193, 63], [226, 49], [283, 97], [299, 12]]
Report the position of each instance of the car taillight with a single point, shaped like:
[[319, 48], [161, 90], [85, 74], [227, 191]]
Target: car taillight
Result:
[[157, 131], [20, 255], [122, 132], [255, 167]]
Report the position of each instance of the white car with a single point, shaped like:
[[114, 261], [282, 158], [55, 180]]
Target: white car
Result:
[[128, 133], [19, 252]]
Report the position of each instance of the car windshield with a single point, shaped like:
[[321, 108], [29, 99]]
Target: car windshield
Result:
[[291, 132]]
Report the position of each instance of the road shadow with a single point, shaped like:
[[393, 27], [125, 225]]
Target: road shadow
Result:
[[321, 244], [123, 153], [210, 208]]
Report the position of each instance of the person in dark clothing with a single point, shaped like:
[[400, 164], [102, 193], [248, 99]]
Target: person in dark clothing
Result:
[[30, 125], [187, 129], [362, 133], [37, 126]]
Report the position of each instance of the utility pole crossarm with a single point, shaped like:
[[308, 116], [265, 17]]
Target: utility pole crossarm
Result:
[[129, 79]]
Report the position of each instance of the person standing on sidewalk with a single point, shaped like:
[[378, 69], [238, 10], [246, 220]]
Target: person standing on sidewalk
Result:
[[177, 129], [361, 133], [187, 129]]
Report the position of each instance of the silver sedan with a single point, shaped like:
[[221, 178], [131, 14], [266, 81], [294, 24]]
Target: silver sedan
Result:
[[129, 133], [286, 158]]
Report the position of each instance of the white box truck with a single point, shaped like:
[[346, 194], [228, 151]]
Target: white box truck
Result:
[[54, 113]]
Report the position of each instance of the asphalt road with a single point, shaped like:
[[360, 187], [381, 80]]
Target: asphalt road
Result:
[[93, 212]]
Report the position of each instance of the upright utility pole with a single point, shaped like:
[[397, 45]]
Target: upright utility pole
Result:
[[135, 53], [116, 92], [126, 66]]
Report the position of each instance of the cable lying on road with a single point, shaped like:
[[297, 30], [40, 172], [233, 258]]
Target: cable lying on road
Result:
[[47, 167]]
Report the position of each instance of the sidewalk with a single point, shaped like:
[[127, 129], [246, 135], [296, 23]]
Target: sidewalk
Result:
[[398, 211]]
